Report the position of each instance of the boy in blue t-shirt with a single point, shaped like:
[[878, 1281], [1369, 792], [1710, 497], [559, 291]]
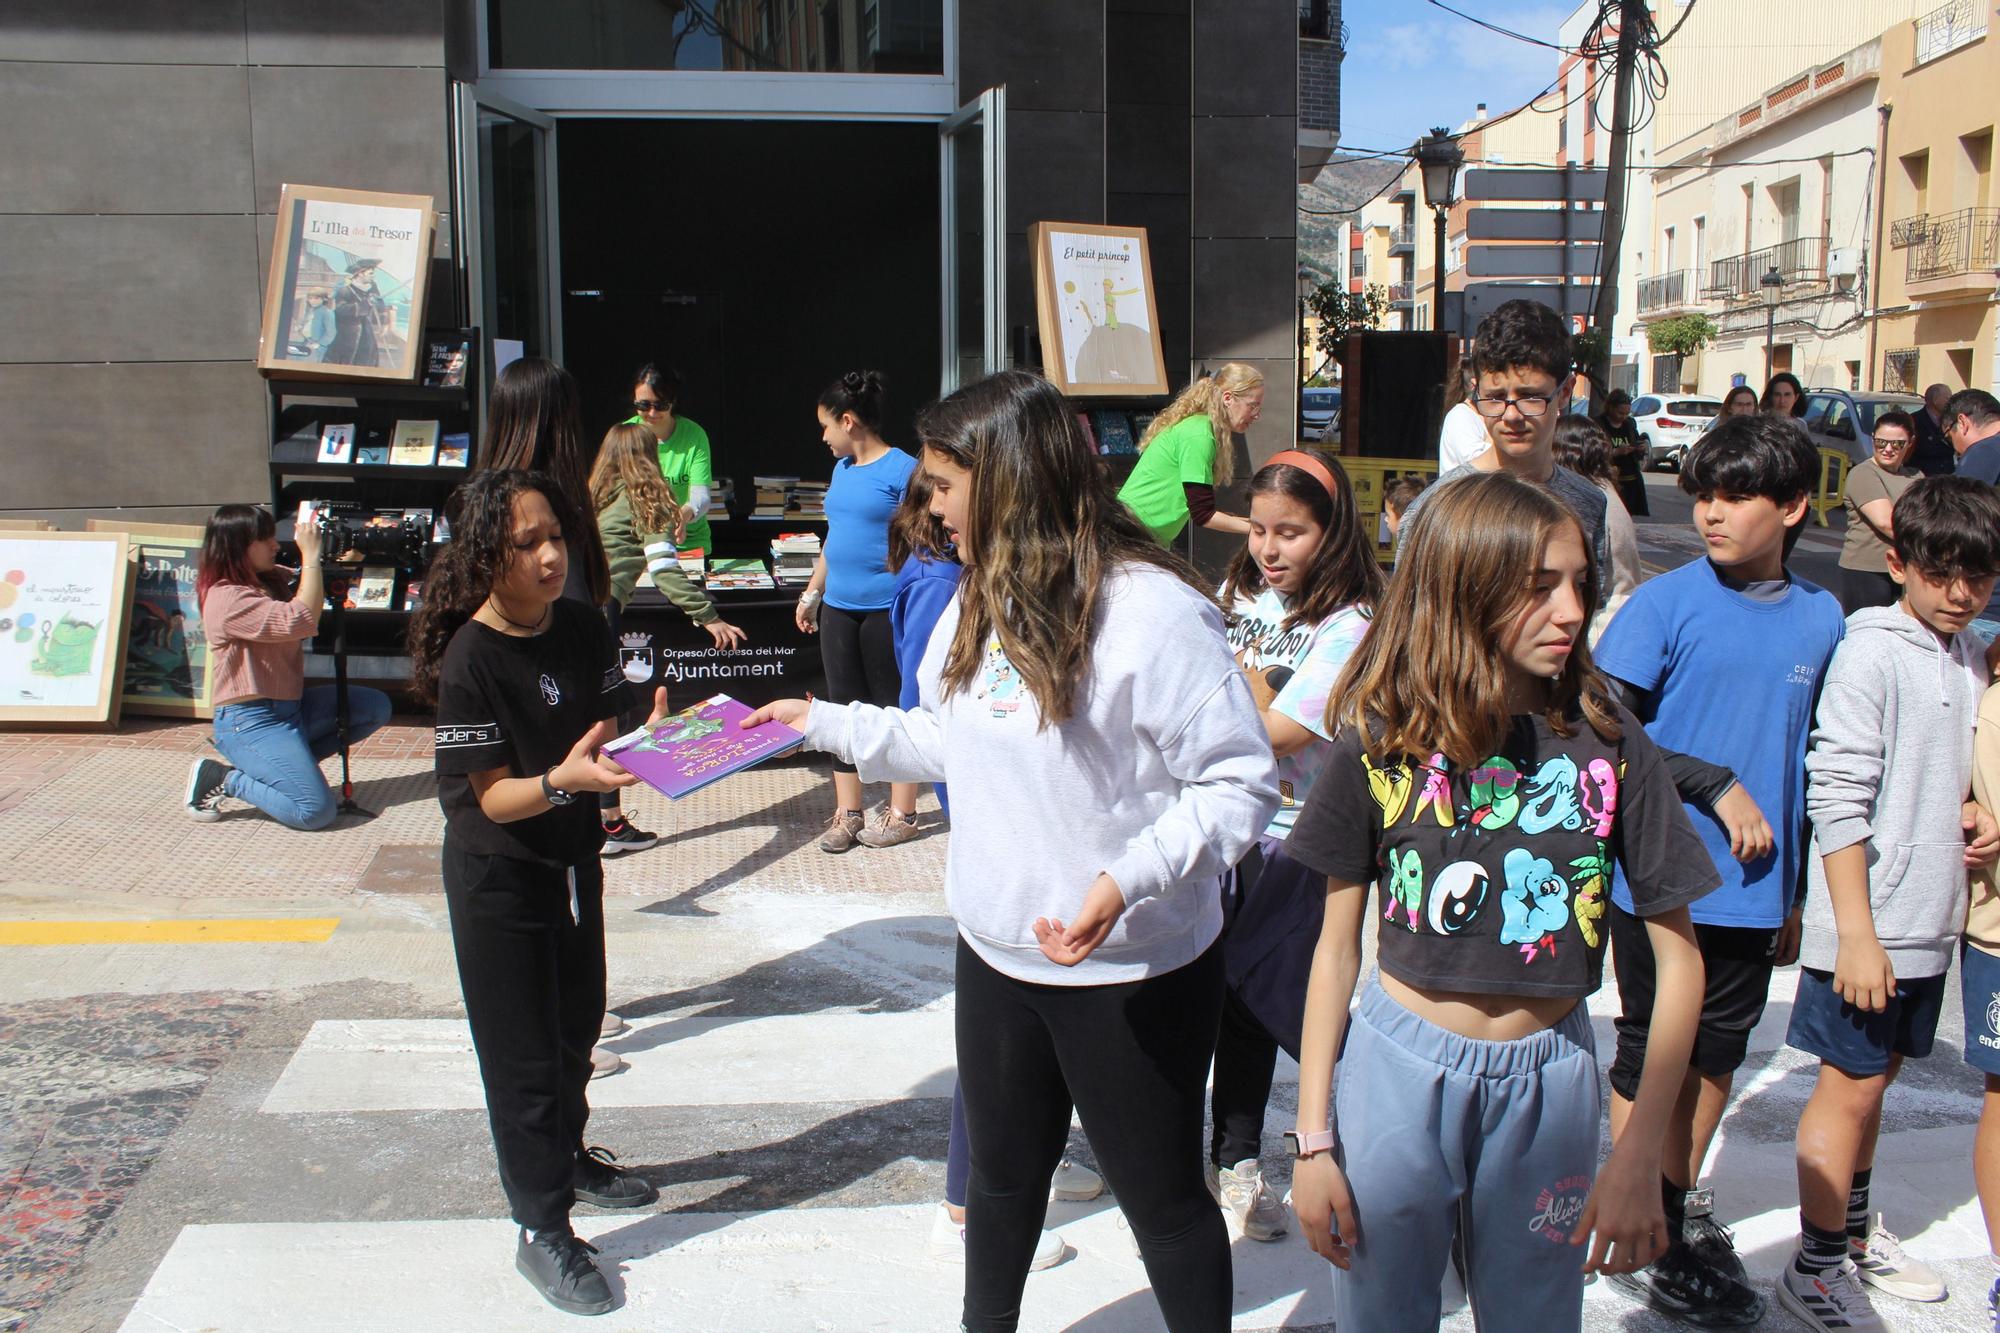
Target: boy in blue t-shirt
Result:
[[1723, 658]]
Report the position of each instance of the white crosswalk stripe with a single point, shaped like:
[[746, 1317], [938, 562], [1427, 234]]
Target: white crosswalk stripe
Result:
[[865, 1268]]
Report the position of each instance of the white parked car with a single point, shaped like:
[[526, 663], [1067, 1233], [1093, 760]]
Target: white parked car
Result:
[[1320, 417], [1670, 423]]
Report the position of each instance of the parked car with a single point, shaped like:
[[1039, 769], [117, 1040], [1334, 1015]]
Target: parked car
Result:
[[1320, 415], [1669, 423], [1845, 420]]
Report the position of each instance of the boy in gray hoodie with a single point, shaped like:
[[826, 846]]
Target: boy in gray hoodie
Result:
[[1887, 779]]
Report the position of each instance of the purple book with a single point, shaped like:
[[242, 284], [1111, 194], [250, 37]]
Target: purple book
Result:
[[698, 745]]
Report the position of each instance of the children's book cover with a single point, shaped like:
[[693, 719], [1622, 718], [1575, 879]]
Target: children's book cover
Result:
[[699, 745]]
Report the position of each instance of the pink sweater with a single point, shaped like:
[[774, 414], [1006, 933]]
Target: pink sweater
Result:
[[255, 643]]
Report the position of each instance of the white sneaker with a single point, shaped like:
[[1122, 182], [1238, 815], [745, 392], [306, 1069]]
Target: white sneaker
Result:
[[1074, 1184], [1240, 1189], [1832, 1301], [612, 1025], [948, 1243], [1882, 1263], [604, 1061]]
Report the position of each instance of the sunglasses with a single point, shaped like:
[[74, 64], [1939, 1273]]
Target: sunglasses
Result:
[[647, 406]]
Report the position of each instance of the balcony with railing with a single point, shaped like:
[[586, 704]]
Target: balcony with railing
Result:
[[1401, 293], [1402, 237], [1668, 293], [1800, 260], [1948, 27], [1950, 254]]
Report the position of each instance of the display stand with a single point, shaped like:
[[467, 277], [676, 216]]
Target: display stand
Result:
[[368, 643], [348, 805]]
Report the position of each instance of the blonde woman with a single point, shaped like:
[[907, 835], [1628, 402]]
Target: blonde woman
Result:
[[1189, 451]]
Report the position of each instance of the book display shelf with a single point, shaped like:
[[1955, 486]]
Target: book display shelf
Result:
[[382, 457]]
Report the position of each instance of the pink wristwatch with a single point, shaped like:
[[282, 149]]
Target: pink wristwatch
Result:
[[1311, 1144]]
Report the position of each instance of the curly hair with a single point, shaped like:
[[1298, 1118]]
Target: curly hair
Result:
[[477, 556]]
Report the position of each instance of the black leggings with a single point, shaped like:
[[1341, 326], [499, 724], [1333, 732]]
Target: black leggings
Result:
[[859, 654], [1246, 1060], [1134, 1057], [533, 979]]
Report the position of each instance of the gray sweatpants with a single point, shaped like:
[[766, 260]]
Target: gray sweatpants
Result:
[[1441, 1133]]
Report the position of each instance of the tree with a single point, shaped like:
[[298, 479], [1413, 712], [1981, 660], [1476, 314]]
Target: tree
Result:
[[1342, 312], [1683, 335]]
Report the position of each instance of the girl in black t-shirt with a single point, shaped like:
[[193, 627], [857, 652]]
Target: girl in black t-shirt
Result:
[[1483, 775], [527, 685]]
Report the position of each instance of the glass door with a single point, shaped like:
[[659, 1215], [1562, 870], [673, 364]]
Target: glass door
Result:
[[506, 208], [972, 144]]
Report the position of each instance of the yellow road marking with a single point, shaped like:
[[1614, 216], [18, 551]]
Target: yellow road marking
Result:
[[245, 930]]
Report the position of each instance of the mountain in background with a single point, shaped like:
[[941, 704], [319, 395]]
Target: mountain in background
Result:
[[1341, 188]]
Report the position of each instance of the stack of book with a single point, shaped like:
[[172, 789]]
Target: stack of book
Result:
[[793, 555], [808, 500], [742, 572], [774, 494], [721, 495]]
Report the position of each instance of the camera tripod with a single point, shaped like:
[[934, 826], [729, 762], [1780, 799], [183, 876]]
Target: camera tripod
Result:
[[348, 805]]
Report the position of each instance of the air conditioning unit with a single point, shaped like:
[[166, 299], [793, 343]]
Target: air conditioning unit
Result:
[[1844, 262]]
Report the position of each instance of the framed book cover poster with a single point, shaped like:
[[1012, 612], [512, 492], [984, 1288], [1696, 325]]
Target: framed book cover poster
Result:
[[166, 650], [345, 295], [413, 444], [1094, 300], [63, 603], [336, 443]]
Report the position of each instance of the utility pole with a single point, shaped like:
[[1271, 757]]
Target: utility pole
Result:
[[1631, 20]]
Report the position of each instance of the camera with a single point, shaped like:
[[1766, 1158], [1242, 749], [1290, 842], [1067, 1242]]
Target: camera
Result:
[[351, 532]]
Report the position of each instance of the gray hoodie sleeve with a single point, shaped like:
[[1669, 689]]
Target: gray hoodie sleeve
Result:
[[1844, 765]]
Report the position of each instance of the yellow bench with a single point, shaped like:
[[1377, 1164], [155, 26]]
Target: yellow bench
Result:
[[1832, 493], [1370, 477]]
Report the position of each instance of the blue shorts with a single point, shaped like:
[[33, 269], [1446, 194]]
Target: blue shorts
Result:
[[1979, 985], [1856, 1041]]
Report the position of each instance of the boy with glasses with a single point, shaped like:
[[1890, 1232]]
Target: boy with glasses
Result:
[[1521, 358]]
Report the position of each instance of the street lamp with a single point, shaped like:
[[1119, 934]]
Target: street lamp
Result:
[[1773, 286], [1439, 156], [1308, 284]]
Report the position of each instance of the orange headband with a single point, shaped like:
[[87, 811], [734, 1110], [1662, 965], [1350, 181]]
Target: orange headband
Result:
[[1305, 462]]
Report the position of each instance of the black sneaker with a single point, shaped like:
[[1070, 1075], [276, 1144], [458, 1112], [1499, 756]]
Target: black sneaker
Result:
[[625, 836], [599, 1183], [1681, 1286], [203, 800], [1713, 1243], [560, 1267]]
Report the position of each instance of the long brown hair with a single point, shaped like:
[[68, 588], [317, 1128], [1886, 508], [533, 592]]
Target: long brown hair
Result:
[[534, 421], [1043, 533], [629, 460], [1343, 571], [913, 529], [479, 553], [1429, 678], [1204, 398]]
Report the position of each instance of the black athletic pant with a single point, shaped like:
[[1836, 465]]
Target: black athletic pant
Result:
[[533, 979], [1134, 1056], [858, 652], [1246, 1059]]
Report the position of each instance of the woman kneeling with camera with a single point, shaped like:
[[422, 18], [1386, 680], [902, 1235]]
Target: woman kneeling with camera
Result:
[[271, 729]]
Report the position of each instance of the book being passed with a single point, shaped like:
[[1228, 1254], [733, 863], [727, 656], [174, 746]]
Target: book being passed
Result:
[[699, 745]]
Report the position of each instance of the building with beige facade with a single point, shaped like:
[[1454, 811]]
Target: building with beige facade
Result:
[[1939, 227]]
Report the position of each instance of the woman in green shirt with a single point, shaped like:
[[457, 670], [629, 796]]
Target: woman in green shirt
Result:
[[684, 460], [1189, 451]]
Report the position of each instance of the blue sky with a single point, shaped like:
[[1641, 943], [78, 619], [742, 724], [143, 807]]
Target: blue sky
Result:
[[1411, 65]]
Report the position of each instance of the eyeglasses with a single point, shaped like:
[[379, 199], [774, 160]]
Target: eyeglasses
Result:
[[1891, 442], [646, 407], [1531, 405]]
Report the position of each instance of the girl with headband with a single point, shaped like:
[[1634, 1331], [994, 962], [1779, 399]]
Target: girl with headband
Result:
[[1299, 597]]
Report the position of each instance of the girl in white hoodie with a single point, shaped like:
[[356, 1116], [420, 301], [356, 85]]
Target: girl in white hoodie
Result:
[[1106, 762]]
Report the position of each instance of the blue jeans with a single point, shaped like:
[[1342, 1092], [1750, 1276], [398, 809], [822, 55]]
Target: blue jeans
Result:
[[274, 747]]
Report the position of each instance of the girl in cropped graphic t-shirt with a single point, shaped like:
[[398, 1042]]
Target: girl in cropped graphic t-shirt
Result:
[[1485, 779]]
